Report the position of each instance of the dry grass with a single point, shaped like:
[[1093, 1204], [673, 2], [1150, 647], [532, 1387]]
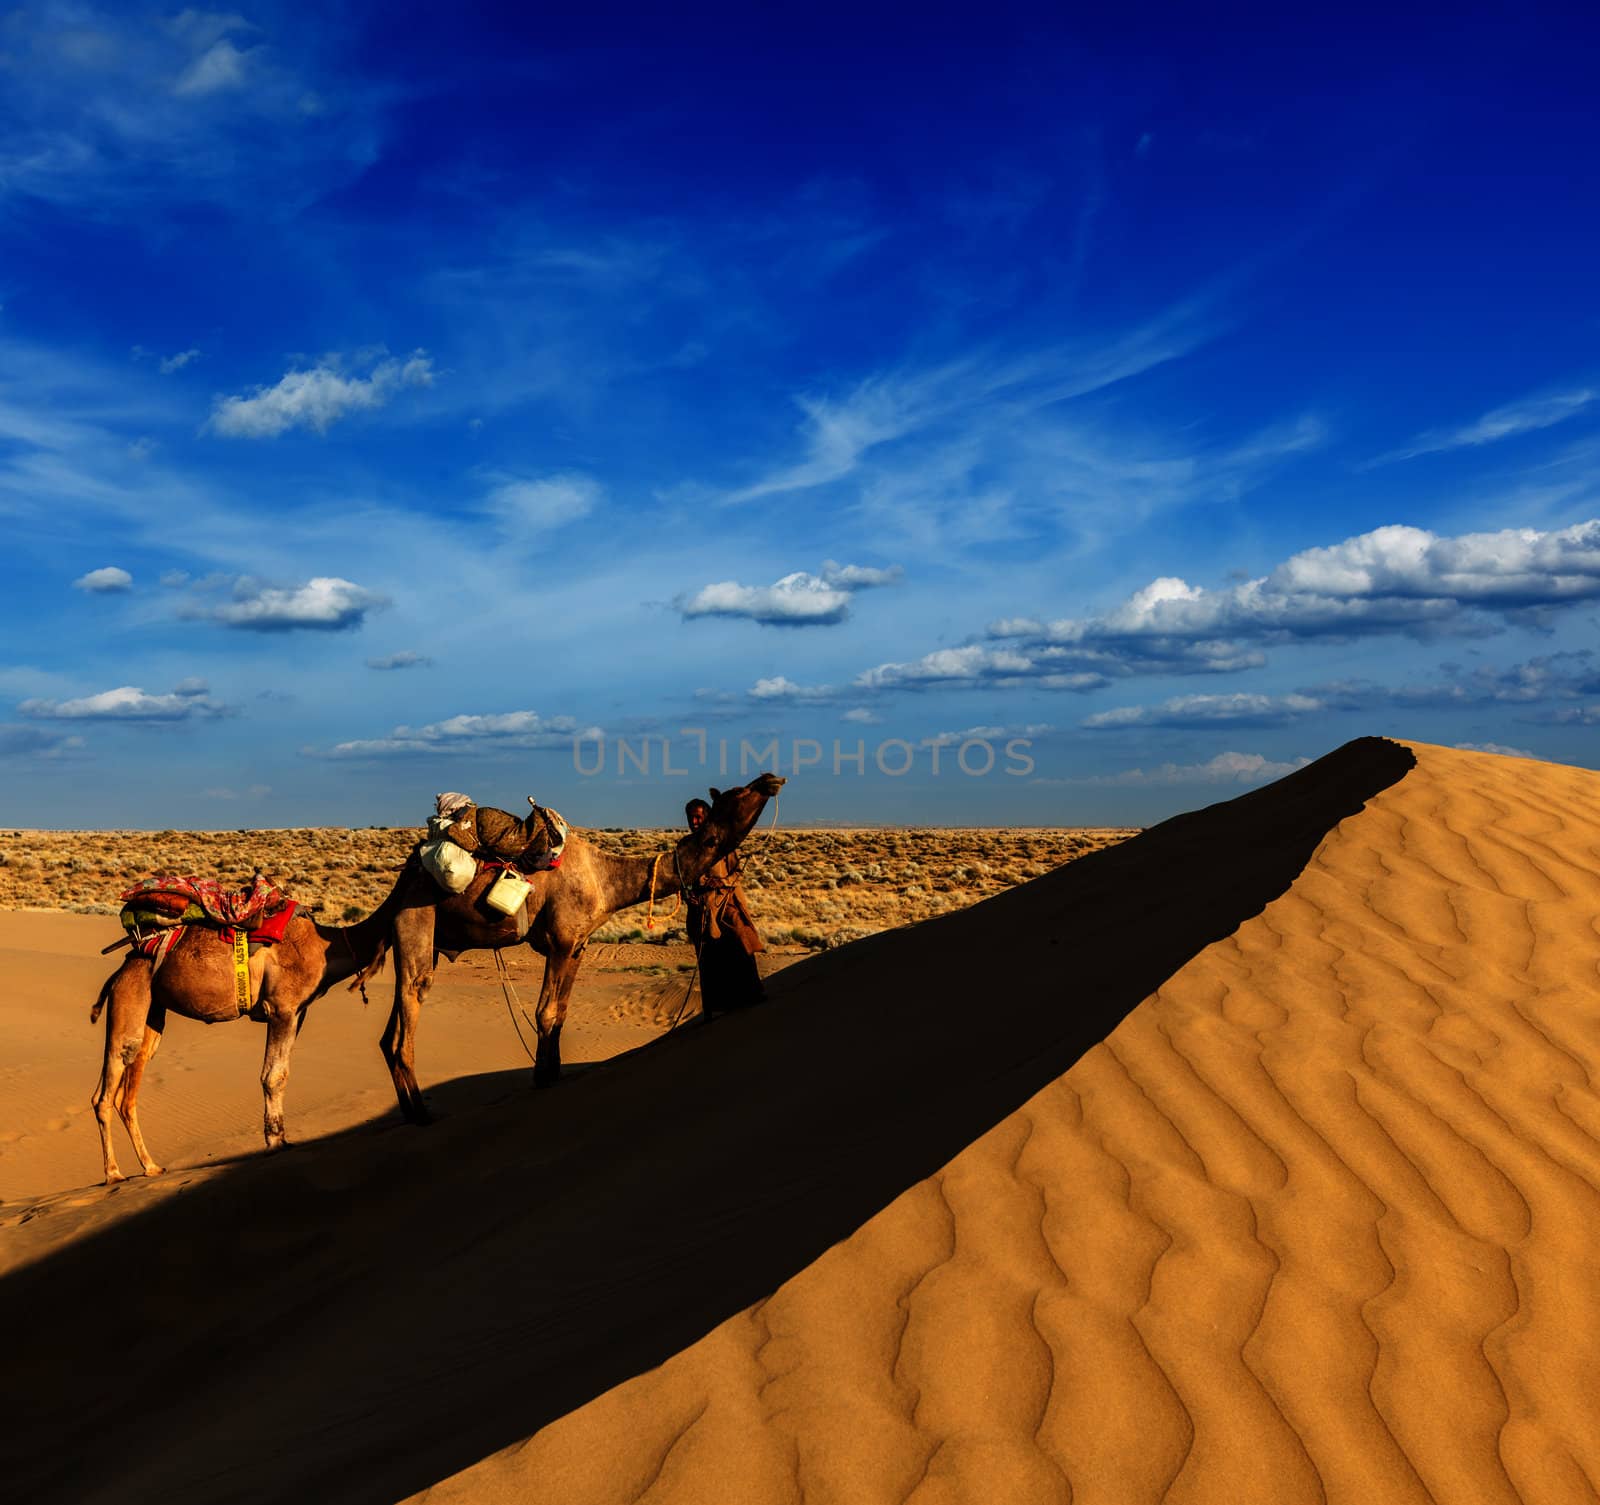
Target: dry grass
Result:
[[807, 888]]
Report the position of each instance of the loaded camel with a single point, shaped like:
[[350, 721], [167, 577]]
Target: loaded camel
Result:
[[196, 980], [565, 906]]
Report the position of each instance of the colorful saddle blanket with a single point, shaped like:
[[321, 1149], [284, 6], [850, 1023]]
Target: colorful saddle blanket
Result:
[[164, 902]]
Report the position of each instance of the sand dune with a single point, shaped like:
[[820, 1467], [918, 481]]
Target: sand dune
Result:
[[1254, 1159]]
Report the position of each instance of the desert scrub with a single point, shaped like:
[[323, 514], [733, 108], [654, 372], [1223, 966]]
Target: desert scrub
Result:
[[818, 887]]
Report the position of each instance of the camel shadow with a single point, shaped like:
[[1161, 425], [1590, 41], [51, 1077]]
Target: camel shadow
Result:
[[376, 1310]]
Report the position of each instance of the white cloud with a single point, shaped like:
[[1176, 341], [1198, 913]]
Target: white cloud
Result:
[[525, 508], [406, 659], [177, 362], [507, 730], [103, 582], [1521, 417], [780, 688], [190, 700], [1394, 579], [1225, 768], [861, 716], [1585, 715], [800, 599], [317, 398], [1208, 710], [795, 600], [326, 604]]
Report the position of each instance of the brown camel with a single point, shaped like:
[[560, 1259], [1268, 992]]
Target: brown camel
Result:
[[563, 909], [196, 981]]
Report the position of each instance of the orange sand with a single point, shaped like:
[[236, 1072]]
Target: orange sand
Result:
[[1253, 1160]]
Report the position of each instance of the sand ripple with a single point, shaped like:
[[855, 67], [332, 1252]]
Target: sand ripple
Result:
[[1317, 1221]]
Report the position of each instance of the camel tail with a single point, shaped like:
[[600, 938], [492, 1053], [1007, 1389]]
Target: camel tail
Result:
[[372, 968], [105, 993]]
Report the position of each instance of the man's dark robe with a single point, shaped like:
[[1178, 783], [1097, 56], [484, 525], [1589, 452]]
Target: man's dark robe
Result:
[[725, 939]]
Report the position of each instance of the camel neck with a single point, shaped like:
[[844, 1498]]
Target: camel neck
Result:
[[352, 947]]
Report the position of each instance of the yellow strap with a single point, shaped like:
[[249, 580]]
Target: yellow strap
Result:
[[241, 970]]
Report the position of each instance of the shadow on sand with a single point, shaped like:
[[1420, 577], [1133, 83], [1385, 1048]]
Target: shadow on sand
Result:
[[373, 1311]]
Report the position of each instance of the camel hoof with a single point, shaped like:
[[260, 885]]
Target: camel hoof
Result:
[[155, 1170], [113, 1177]]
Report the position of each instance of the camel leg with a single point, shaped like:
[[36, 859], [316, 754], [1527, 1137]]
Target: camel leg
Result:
[[126, 1098], [127, 1010], [281, 1032], [560, 968], [413, 976]]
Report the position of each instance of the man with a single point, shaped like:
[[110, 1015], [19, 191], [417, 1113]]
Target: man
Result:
[[724, 936]]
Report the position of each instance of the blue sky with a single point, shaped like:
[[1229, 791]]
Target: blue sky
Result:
[[1116, 412]]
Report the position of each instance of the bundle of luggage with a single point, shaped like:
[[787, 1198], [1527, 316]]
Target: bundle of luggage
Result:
[[464, 838]]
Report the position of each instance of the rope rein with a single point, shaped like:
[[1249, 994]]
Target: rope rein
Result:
[[511, 1000], [677, 901]]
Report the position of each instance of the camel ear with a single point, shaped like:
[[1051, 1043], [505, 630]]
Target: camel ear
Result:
[[716, 794]]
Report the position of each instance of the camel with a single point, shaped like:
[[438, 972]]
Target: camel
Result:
[[196, 981], [563, 909]]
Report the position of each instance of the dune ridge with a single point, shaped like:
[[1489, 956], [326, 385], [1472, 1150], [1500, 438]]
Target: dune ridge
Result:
[[1315, 1222]]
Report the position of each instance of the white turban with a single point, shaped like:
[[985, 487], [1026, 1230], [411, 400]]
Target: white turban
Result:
[[448, 804]]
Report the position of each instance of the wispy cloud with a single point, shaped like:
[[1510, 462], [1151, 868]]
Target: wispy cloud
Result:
[[1225, 768], [1208, 710], [177, 362], [839, 431], [221, 66], [524, 509], [107, 581], [797, 600], [317, 398], [323, 604], [36, 742], [191, 700], [406, 659], [101, 106], [1497, 748], [505, 731], [1567, 675], [1524, 416]]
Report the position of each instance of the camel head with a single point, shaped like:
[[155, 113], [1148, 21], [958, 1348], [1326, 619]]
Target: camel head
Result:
[[734, 813]]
